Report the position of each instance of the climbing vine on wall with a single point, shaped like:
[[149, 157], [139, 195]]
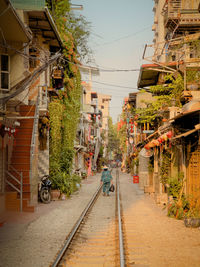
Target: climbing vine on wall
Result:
[[64, 110], [165, 166], [55, 114]]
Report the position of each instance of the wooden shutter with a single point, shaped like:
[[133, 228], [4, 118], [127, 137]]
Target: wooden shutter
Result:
[[193, 181]]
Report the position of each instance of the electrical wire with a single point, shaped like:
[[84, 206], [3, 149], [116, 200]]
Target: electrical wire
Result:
[[102, 69], [79, 65], [115, 85], [110, 89], [125, 37], [119, 70]]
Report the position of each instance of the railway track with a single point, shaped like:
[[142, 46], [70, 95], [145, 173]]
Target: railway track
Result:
[[97, 237]]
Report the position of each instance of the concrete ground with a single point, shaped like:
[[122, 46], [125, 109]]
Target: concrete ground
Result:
[[152, 238], [33, 239]]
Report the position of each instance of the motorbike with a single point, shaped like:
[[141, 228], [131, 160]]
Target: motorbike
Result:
[[44, 189]]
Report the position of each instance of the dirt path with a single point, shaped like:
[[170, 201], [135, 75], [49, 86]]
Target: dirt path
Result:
[[153, 239]]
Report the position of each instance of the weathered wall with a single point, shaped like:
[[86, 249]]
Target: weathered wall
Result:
[[143, 171], [159, 29], [141, 97], [34, 175]]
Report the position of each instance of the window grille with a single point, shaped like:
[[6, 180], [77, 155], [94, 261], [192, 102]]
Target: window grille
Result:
[[4, 73]]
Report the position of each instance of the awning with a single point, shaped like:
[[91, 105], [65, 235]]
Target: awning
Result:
[[149, 73], [42, 20], [186, 113], [185, 134], [13, 29]]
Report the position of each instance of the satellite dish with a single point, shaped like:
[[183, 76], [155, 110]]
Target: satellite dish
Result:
[[146, 153]]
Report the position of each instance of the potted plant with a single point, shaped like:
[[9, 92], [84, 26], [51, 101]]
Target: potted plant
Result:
[[83, 175], [55, 194], [192, 217], [55, 188]]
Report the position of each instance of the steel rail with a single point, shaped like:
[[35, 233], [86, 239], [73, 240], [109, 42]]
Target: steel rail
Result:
[[75, 229], [121, 241]]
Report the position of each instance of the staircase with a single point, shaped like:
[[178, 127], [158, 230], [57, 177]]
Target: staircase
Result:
[[20, 161]]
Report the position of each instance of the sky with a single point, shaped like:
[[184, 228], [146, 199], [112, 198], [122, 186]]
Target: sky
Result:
[[119, 31]]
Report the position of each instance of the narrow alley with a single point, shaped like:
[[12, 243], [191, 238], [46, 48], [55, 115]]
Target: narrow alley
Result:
[[91, 93]]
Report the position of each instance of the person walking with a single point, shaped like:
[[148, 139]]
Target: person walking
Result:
[[106, 180]]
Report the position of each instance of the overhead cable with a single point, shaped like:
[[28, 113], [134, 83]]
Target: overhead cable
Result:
[[115, 85], [124, 37], [101, 69], [21, 86]]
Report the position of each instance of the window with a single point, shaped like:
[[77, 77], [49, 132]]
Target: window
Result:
[[1, 169], [33, 58], [102, 107], [4, 72]]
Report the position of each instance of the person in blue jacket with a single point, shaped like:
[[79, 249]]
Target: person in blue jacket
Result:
[[106, 180]]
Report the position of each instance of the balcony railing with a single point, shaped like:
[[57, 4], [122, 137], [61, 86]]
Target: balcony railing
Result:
[[185, 13], [43, 99], [171, 10]]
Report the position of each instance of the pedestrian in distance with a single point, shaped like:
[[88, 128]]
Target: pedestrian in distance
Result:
[[106, 180]]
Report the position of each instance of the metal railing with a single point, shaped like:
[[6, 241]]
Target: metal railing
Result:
[[41, 104], [121, 240], [20, 183], [75, 228], [43, 100], [34, 132], [172, 8]]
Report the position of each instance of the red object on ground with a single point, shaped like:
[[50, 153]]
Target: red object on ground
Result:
[[135, 179]]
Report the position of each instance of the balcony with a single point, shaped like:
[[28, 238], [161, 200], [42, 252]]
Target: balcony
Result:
[[171, 12], [182, 15], [29, 4]]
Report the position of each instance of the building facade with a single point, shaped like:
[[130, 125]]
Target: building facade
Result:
[[28, 53], [176, 137]]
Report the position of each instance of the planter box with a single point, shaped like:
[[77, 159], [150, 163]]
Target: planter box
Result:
[[192, 222], [55, 194]]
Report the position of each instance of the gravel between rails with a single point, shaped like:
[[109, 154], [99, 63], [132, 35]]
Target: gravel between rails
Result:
[[33, 240]]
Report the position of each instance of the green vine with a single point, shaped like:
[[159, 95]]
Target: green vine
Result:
[[165, 167], [179, 205], [64, 110], [164, 96]]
